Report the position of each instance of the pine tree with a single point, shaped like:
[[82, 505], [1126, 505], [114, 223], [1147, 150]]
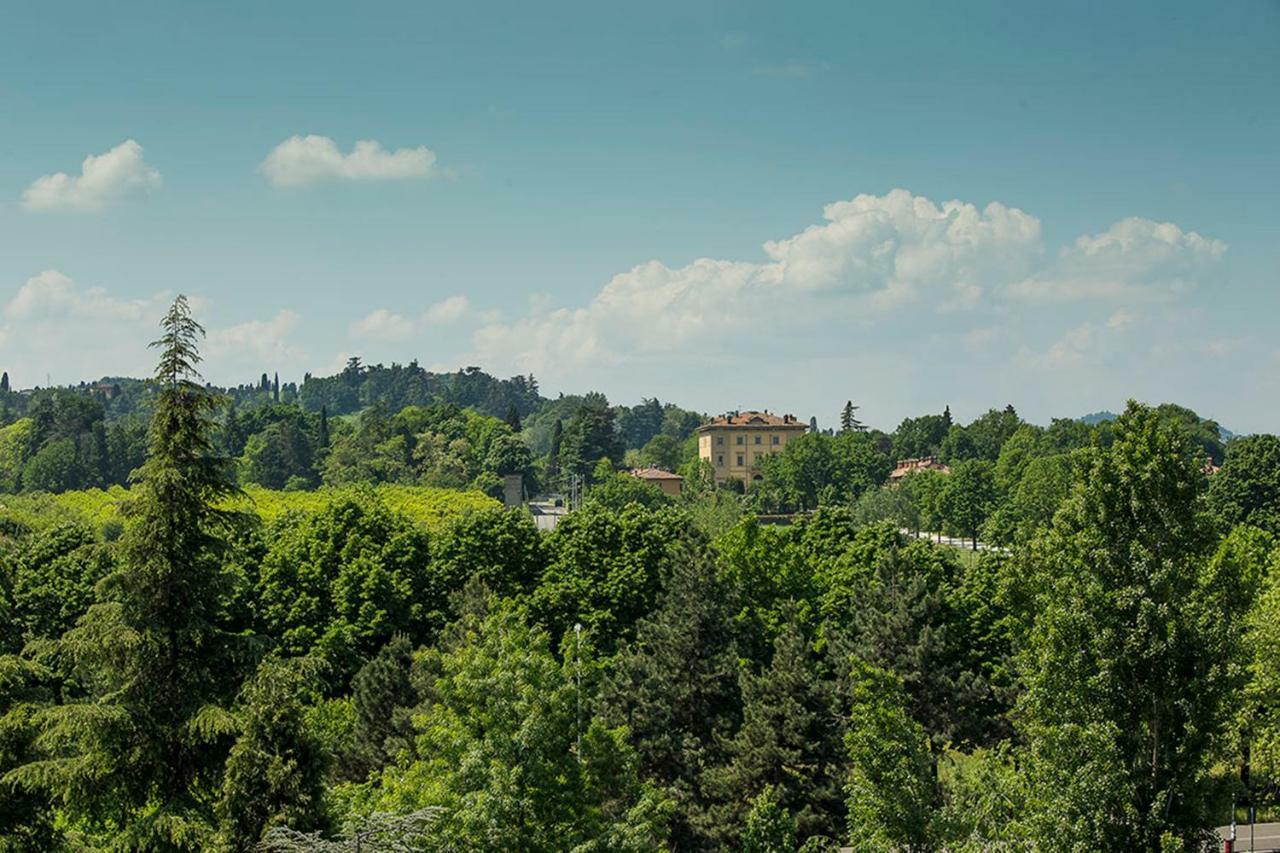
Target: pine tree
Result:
[[848, 418], [382, 695], [789, 745], [946, 418], [675, 688], [275, 772], [158, 667], [513, 418]]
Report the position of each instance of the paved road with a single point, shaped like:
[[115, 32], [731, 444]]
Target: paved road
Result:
[[1266, 836]]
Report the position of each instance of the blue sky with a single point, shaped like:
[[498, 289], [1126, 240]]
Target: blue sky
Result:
[[722, 204]]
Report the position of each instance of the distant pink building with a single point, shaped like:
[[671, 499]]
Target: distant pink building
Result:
[[906, 467]]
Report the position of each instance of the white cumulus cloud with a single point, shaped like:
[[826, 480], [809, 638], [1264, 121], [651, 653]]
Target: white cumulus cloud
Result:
[[382, 325], [54, 327], [1133, 259], [103, 179], [255, 343], [385, 325], [890, 268], [448, 310], [873, 255], [308, 159]]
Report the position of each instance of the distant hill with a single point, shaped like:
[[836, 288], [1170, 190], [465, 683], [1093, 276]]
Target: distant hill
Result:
[[1096, 418]]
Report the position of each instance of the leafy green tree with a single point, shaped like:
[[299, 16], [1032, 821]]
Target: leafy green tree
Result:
[[501, 547], [145, 745], [675, 690], [618, 490], [769, 829], [17, 443], [605, 569], [344, 580], [508, 454], [766, 564], [54, 576], [922, 436], [1247, 489], [278, 454], [662, 451], [503, 748], [1129, 666], [56, 467], [1044, 484], [890, 787], [969, 497], [275, 770]]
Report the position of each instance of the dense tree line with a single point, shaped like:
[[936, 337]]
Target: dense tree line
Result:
[[655, 673]]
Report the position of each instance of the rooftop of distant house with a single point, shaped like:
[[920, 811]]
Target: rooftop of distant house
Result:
[[753, 420], [654, 474], [912, 466]]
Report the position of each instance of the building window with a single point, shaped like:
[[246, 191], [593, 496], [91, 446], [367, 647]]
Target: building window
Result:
[[720, 461], [739, 441], [758, 439], [719, 439], [739, 459], [775, 439]]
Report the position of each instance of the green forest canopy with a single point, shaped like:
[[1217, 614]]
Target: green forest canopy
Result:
[[373, 646]]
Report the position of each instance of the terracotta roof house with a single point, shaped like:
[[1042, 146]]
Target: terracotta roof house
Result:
[[737, 443], [907, 467], [671, 484]]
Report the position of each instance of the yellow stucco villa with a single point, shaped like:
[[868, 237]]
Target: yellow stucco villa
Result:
[[737, 443]]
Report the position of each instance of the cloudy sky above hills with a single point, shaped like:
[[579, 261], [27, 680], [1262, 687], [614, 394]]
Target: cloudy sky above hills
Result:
[[723, 204]]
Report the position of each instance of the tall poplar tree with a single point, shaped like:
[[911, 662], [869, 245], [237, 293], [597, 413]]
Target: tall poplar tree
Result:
[[136, 760]]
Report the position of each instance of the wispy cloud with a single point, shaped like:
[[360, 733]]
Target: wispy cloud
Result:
[[303, 160], [385, 325]]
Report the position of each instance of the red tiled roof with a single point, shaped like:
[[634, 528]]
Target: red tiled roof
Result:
[[911, 466], [654, 474], [760, 420]]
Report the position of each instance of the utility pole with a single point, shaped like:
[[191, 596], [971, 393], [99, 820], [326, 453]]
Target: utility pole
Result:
[[577, 672]]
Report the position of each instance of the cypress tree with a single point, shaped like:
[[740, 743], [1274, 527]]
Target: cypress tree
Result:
[[513, 418], [324, 427], [134, 756], [4, 382], [275, 389]]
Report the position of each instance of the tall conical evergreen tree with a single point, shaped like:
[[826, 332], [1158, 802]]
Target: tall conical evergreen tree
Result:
[[275, 389], [4, 382], [676, 689], [790, 745], [849, 420], [323, 437], [137, 759], [513, 418]]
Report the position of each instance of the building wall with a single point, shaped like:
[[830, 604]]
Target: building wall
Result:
[[737, 452]]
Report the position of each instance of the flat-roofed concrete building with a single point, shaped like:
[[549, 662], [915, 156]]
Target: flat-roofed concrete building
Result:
[[736, 444]]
